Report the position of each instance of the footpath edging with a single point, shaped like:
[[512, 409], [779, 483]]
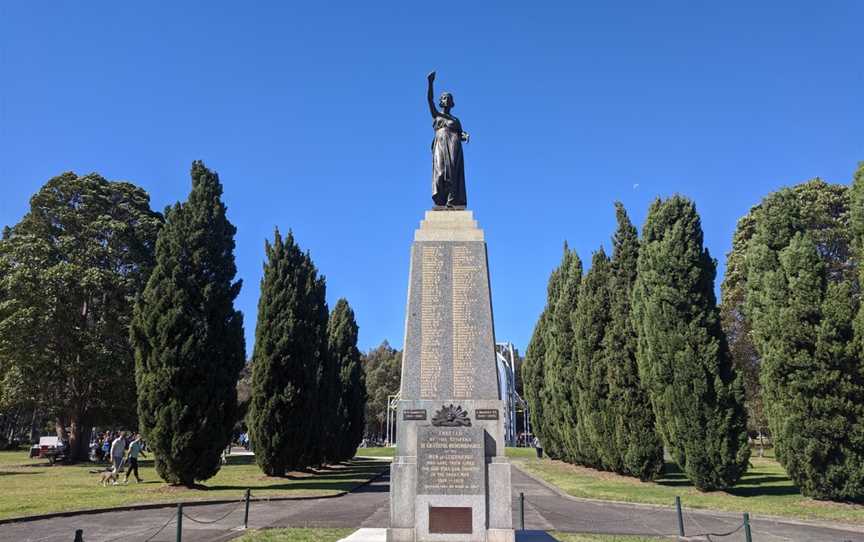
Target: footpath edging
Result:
[[173, 504]]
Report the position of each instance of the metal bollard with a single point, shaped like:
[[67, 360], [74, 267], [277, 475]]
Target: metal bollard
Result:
[[747, 536], [680, 516], [79, 535], [246, 514], [521, 511], [179, 522]]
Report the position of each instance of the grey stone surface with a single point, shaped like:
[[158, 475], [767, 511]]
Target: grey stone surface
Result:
[[451, 461], [449, 358]]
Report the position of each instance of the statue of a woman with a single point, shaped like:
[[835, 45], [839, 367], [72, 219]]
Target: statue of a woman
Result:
[[448, 169]]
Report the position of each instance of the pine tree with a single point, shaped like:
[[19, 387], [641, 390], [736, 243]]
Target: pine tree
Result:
[[635, 438], [351, 397], [811, 373], [697, 397], [595, 431], [559, 367], [290, 347], [189, 346]]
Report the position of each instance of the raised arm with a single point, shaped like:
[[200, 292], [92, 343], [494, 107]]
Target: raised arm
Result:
[[430, 95]]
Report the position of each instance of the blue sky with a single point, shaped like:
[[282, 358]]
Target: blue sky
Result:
[[314, 116]]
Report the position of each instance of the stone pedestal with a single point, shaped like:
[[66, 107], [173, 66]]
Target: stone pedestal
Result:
[[449, 480]]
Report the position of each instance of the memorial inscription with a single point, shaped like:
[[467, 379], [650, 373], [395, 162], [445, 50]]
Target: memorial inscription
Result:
[[464, 287], [416, 414], [486, 414], [432, 333], [451, 461]]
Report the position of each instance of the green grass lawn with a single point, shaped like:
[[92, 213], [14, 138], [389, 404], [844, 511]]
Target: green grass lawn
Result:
[[765, 489], [31, 486], [376, 452], [295, 535], [575, 537]]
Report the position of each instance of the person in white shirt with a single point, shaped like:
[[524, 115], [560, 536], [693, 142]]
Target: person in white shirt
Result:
[[538, 447], [118, 448]]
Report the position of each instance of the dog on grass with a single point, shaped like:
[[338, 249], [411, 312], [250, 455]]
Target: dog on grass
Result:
[[108, 477]]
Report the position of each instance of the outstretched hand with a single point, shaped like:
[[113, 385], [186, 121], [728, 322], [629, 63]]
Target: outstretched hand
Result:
[[430, 76]]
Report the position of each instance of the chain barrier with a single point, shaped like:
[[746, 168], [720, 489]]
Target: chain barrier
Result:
[[692, 518], [208, 522], [178, 515], [142, 531], [721, 535], [167, 523], [624, 516]]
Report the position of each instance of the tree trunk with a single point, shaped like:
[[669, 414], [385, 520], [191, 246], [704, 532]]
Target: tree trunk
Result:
[[60, 428], [33, 428], [79, 438]]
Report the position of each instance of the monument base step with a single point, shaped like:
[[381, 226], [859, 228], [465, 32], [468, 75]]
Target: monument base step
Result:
[[409, 535], [366, 535]]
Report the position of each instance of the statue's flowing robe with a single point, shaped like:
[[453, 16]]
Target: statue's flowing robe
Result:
[[448, 169]]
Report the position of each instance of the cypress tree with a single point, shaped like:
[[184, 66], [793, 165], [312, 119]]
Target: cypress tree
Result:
[[811, 373], [559, 369], [290, 346], [534, 369], [856, 195], [591, 318], [534, 380], [635, 438], [816, 207], [351, 397], [697, 397], [188, 339]]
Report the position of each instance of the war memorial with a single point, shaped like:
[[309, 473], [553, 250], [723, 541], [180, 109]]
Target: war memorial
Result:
[[450, 479]]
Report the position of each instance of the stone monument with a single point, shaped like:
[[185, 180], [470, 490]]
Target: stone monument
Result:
[[450, 480]]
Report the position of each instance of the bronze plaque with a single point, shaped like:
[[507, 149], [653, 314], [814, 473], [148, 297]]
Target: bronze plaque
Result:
[[450, 519], [486, 414], [414, 414]]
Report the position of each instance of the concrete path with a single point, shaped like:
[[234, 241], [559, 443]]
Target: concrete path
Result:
[[545, 509]]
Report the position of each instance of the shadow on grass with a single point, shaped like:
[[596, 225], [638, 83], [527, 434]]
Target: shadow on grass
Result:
[[9, 473], [751, 484], [335, 479]]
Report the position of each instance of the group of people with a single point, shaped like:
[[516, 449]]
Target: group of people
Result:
[[120, 449]]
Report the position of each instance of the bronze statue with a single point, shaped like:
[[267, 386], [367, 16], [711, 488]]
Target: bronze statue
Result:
[[448, 168]]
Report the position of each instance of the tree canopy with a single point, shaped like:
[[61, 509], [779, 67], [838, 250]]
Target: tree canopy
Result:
[[69, 274], [188, 338]]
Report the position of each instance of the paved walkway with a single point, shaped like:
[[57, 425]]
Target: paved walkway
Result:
[[545, 509]]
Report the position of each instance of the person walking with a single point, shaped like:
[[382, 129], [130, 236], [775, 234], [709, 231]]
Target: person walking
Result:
[[538, 447], [106, 448], [118, 449], [136, 448]]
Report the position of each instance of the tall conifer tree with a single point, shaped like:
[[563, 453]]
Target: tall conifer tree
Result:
[[559, 368], [683, 358], [290, 347], [811, 375], [635, 438], [350, 399], [534, 380], [188, 338], [534, 371], [595, 432]]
